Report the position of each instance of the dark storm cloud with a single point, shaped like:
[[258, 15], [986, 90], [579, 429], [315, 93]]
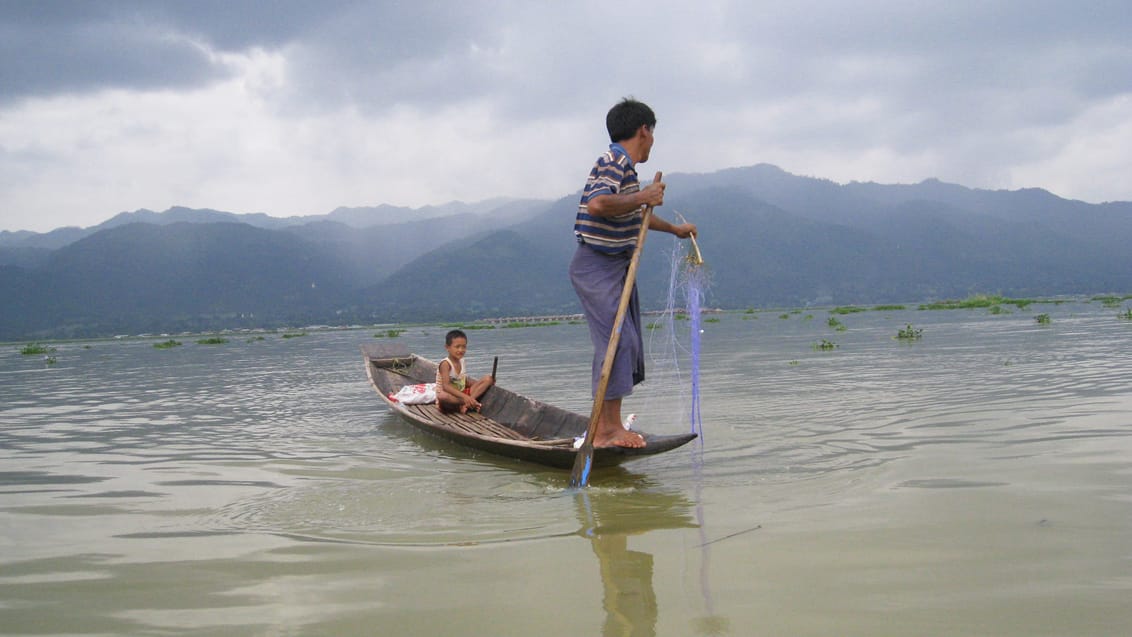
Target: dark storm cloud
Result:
[[527, 55], [328, 98], [52, 47]]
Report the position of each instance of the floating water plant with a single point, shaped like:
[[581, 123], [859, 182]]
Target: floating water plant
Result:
[[391, 333], [654, 326], [1042, 319], [1111, 300], [825, 345], [531, 324], [33, 349], [294, 334], [169, 344], [848, 309], [213, 340], [836, 324], [1127, 315], [784, 316], [713, 320], [888, 308], [910, 333], [977, 301]]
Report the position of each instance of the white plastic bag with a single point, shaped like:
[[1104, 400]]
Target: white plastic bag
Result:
[[415, 394]]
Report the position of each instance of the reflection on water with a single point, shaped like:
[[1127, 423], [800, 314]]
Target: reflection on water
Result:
[[608, 520], [972, 482]]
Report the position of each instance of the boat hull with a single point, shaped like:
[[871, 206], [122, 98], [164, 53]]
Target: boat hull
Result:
[[508, 424]]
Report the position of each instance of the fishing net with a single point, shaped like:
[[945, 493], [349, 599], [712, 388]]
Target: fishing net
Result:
[[674, 336]]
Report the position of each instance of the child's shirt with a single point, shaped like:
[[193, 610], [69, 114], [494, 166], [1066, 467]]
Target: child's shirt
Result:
[[457, 378]]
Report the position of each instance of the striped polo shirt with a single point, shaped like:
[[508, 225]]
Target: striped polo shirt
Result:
[[612, 174]]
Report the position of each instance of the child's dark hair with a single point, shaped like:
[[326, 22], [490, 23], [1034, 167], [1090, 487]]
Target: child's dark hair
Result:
[[453, 335], [626, 116]]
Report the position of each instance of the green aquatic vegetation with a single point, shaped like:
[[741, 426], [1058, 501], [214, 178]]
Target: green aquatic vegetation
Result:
[[848, 309], [1042, 319], [910, 333], [391, 333], [253, 339], [749, 310], [294, 334], [212, 340], [825, 345], [33, 349], [784, 316], [517, 324], [792, 363], [1111, 300], [169, 344], [977, 301], [836, 324], [808, 317], [50, 360], [654, 326], [713, 319], [888, 308], [461, 326], [1127, 315], [997, 309]]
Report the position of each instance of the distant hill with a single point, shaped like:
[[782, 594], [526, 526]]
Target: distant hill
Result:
[[771, 239]]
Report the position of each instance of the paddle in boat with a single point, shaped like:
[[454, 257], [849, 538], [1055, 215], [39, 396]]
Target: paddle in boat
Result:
[[507, 424]]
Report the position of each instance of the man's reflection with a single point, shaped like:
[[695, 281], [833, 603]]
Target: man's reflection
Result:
[[608, 518]]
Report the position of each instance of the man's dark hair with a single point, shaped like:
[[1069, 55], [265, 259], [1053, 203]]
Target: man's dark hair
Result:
[[453, 335], [626, 117]]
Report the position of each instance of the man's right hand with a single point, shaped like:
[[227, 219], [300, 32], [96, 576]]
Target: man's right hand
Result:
[[653, 194]]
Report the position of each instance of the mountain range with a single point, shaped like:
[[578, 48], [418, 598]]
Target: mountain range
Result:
[[770, 239]]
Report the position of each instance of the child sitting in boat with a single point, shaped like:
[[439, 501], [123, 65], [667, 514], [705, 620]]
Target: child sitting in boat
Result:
[[454, 391]]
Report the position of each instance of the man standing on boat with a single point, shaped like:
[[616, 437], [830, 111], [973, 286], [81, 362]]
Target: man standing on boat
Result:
[[606, 228]]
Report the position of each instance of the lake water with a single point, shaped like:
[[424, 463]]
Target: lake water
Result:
[[977, 481]]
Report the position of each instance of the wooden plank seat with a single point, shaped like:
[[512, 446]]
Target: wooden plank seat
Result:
[[471, 422]]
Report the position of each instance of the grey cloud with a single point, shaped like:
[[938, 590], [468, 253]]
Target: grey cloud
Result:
[[49, 48], [45, 61], [899, 87]]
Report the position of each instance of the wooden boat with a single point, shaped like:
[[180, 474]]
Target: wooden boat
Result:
[[507, 424]]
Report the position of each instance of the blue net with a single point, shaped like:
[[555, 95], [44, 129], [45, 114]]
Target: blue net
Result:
[[680, 331]]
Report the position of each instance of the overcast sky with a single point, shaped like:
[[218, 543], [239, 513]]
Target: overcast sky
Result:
[[297, 107]]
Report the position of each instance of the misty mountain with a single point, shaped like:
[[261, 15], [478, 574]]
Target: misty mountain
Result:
[[30, 249], [144, 277], [771, 239]]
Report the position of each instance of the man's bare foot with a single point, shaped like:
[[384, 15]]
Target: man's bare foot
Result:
[[619, 438]]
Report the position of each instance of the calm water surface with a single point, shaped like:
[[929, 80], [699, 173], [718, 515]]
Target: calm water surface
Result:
[[974, 482]]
